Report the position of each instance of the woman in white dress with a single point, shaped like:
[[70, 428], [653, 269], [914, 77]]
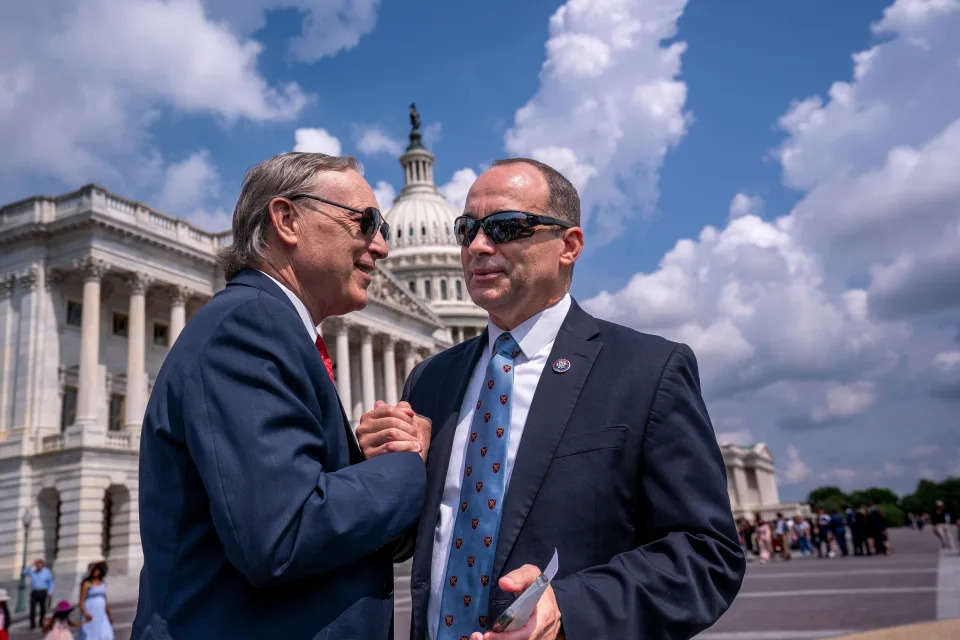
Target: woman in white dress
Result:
[[97, 621]]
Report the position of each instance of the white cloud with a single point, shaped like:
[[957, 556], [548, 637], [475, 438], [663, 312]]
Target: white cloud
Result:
[[456, 190], [842, 474], [744, 205], [926, 473], [327, 26], [385, 194], [741, 437], [893, 469], [188, 184], [609, 105], [796, 469], [316, 141], [373, 140], [845, 401], [432, 133], [944, 374]]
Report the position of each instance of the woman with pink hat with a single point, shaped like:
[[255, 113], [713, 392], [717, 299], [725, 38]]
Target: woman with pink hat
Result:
[[59, 624]]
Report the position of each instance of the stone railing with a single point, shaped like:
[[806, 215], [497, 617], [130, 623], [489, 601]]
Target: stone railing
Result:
[[51, 443], [118, 440]]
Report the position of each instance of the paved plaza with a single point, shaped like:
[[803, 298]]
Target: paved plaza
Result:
[[805, 598]]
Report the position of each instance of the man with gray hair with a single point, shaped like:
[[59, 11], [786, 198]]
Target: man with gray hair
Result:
[[259, 515]]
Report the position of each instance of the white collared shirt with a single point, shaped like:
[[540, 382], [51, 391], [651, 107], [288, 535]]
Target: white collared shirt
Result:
[[299, 306], [535, 336]]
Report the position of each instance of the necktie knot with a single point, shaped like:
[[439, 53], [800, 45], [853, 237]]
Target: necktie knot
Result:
[[506, 346]]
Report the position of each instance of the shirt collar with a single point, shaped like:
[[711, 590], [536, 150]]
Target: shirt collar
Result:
[[299, 306], [536, 332]]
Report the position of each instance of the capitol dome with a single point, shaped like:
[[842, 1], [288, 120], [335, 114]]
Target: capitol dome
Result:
[[424, 253]]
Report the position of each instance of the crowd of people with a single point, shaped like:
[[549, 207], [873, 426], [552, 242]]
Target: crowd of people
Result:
[[940, 523], [94, 621], [826, 535]]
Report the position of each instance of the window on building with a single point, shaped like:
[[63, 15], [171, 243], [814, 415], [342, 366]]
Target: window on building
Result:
[[74, 313], [427, 293], [116, 412], [423, 230], [399, 232], [443, 289], [161, 334], [107, 524], [413, 286], [120, 323], [68, 408], [459, 286]]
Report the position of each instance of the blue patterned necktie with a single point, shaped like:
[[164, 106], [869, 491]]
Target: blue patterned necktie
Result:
[[466, 591]]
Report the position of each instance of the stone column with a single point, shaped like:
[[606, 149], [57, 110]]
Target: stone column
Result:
[[366, 368], [81, 524], [389, 370], [409, 361], [458, 335], [92, 271], [6, 351], [136, 355], [343, 365], [740, 483], [178, 312], [25, 347]]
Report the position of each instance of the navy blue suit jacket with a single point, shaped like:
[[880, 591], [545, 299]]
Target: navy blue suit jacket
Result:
[[618, 469], [258, 517]]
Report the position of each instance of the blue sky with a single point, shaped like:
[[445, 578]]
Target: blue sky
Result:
[[814, 219]]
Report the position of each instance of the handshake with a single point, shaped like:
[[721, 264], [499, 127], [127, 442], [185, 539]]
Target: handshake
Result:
[[388, 429]]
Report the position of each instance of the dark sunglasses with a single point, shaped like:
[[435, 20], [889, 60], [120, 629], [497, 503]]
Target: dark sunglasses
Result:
[[503, 226], [371, 220]]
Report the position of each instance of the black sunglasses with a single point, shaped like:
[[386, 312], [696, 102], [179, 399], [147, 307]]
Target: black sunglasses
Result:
[[503, 226], [371, 220]]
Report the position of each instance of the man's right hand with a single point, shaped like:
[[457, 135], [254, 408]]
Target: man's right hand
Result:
[[388, 429]]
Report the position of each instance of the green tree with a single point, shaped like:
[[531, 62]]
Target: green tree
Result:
[[924, 499], [876, 495], [829, 498]]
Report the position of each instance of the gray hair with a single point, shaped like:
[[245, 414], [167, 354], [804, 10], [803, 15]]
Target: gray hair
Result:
[[281, 176]]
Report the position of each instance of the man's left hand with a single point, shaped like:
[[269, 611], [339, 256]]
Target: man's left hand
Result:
[[544, 624]]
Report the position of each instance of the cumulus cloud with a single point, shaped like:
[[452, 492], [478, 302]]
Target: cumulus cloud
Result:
[[432, 133], [327, 27], [609, 105], [316, 141], [845, 401], [373, 140], [456, 190], [744, 205], [191, 190], [741, 437], [796, 470], [385, 194], [893, 469], [944, 374]]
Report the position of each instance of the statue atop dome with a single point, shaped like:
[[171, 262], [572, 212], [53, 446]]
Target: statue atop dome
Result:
[[415, 137]]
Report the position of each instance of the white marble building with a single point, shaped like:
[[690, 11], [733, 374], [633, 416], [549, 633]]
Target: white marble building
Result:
[[752, 483], [94, 288]]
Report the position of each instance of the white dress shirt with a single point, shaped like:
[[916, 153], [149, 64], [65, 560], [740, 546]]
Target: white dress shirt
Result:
[[299, 306], [535, 336]]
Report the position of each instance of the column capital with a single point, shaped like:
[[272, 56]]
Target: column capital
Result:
[[91, 268], [6, 286], [386, 340], [365, 333], [339, 324], [52, 278], [138, 282], [180, 293], [29, 279]]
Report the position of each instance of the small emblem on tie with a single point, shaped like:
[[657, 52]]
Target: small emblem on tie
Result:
[[496, 467], [470, 560], [506, 368], [459, 543], [499, 432], [489, 384], [469, 471], [487, 541], [453, 581], [474, 522], [486, 417], [463, 505], [473, 436], [479, 487], [484, 581], [491, 502], [561, 366], [483, 452], [448, 620], [466, 601], [483, 622], [503, 399], [479, 403]]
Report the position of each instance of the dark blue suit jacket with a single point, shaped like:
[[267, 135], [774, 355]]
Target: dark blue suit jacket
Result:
[[258, 517], [618, 469]]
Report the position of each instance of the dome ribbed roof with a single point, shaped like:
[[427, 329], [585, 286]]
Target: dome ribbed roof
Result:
[[419, 219]]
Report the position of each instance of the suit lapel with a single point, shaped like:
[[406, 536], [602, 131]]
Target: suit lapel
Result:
[[553, 403]]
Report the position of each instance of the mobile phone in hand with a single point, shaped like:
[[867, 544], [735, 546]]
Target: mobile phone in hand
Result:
[[517, 614]]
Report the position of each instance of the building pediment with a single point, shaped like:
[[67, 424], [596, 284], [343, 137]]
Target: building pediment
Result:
[[385, 289]]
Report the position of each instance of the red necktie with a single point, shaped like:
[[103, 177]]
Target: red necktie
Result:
[[322, 348]]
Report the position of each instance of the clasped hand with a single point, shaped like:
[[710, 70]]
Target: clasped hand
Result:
[[388, 429]]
